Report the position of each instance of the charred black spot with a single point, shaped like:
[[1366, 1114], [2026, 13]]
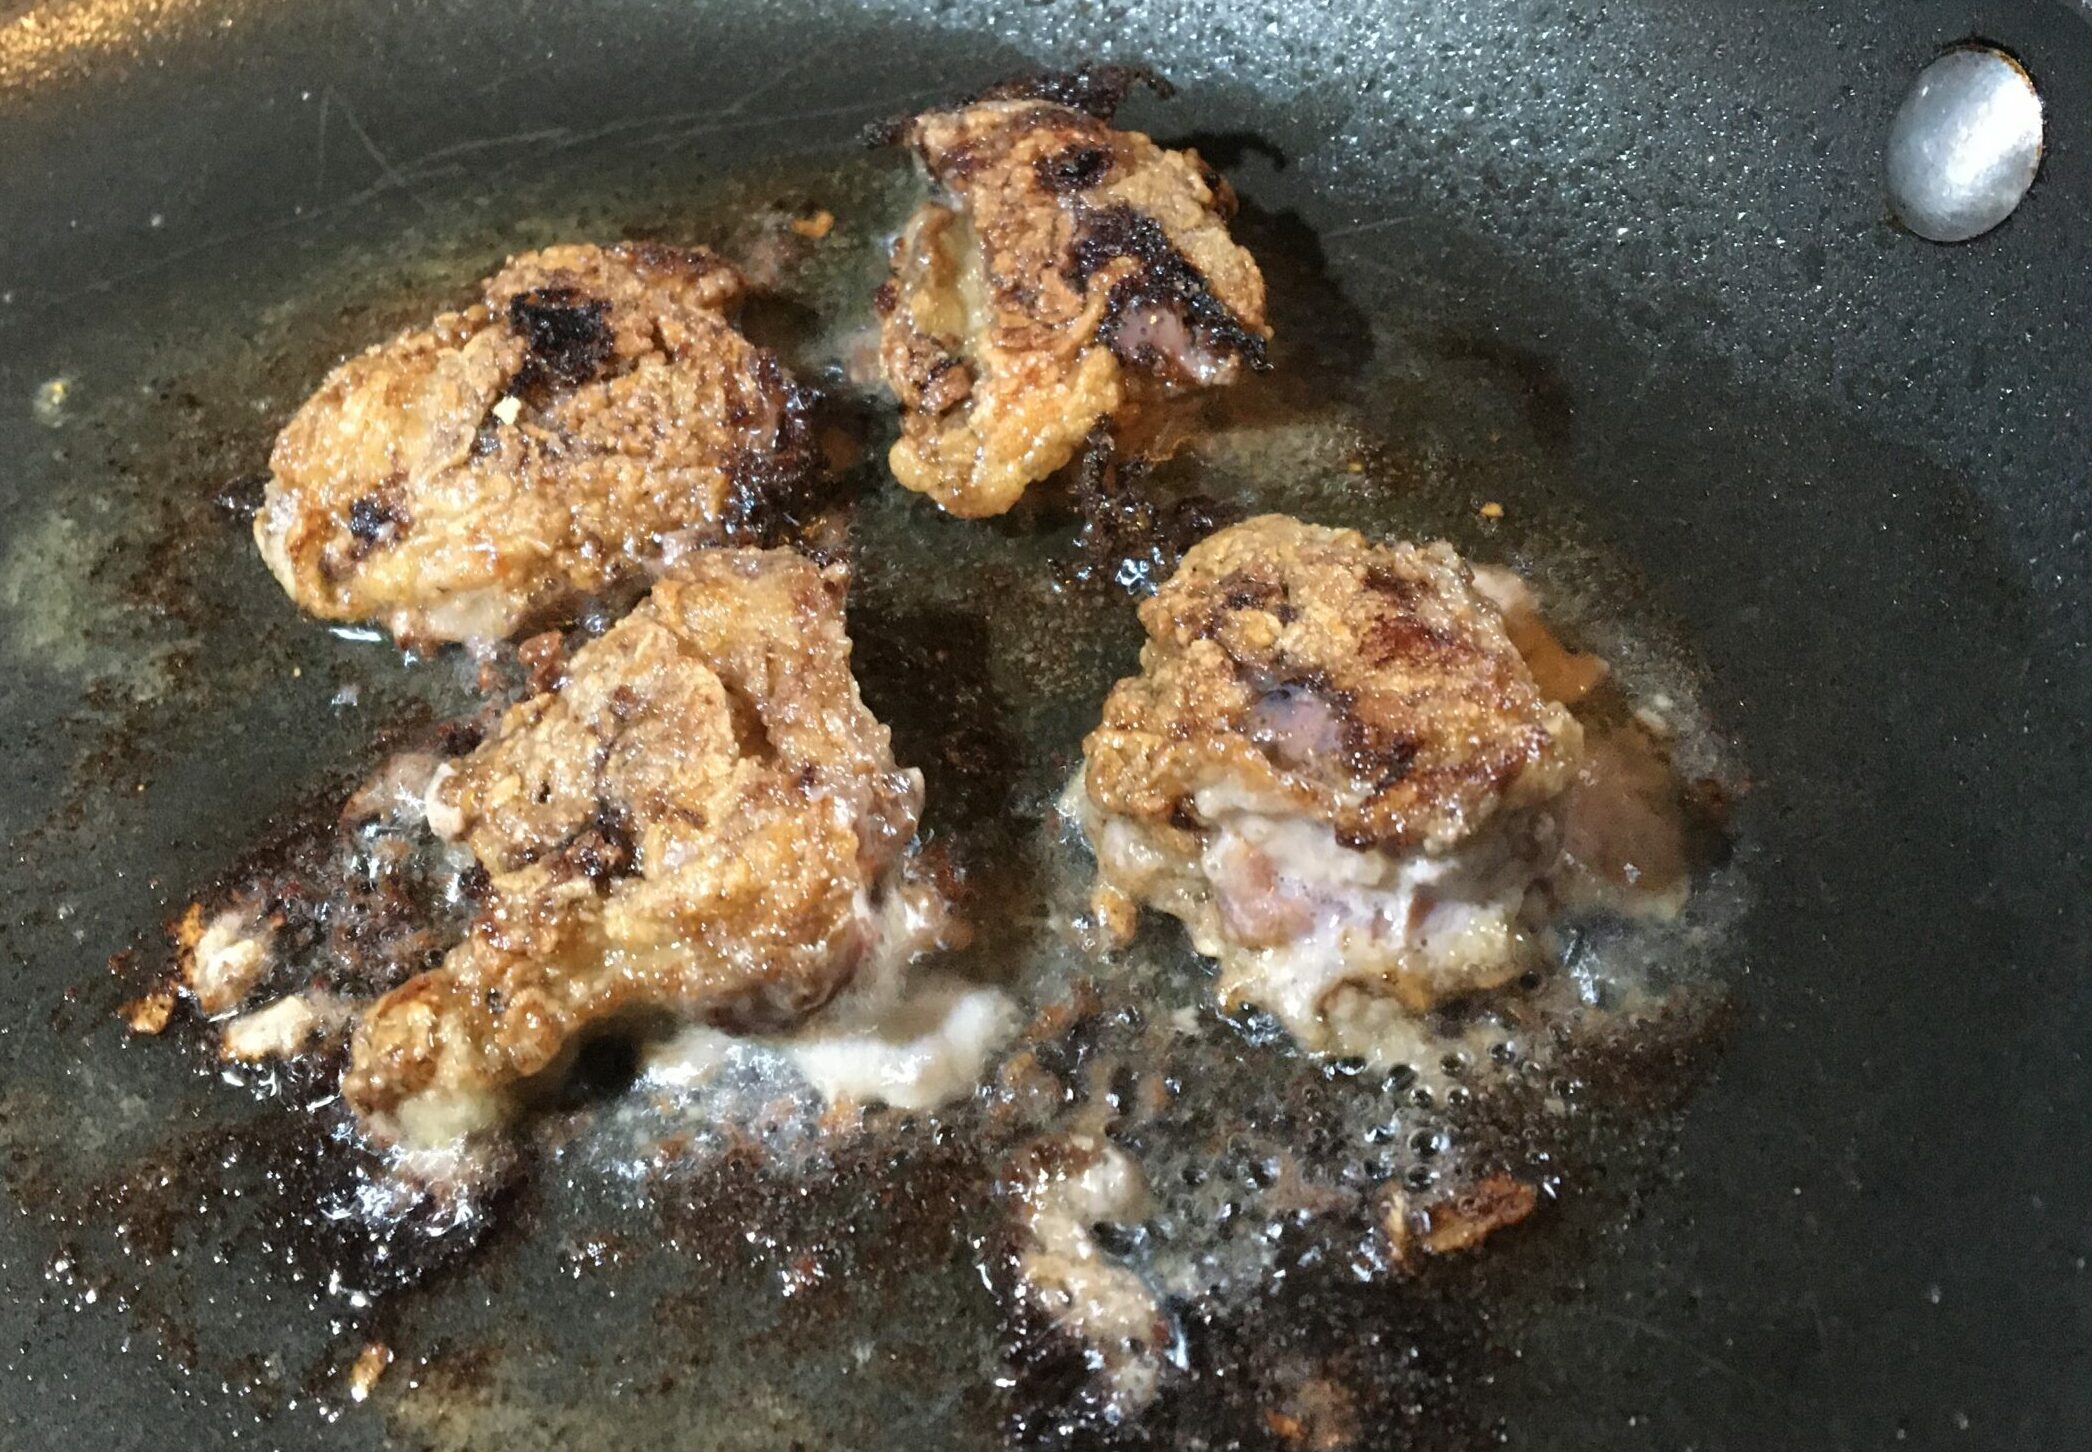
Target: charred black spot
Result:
[[1399, 630], [371, 520], [605, 851], [1404, 634], [1074, 169], [941, 383], [1244, 591], [374, 524], [1164, 279], [771, 481], [1383, 581], [1384, 762], [567, 336]]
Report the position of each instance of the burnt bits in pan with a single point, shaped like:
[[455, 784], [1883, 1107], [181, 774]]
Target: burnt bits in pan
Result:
[[1133, 533]]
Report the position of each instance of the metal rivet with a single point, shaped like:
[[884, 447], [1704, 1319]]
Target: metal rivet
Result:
[[1965, 144]]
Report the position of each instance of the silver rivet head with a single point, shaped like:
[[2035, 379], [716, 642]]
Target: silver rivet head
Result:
[[1965, 145]]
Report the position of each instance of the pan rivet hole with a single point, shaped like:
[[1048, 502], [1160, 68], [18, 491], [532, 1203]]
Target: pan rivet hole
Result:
[[1965, 144]]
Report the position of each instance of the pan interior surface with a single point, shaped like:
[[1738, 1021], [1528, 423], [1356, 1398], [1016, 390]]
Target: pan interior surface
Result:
[[1652, 308]]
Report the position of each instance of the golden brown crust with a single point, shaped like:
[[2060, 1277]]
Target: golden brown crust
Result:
[[1069, 275], [1336, 770], [468, 478], [700, 822], [1414, 719]]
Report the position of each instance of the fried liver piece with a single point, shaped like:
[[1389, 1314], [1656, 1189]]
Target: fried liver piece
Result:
[[1064, 276], [1337, 770], [703, 823], [593, 410]]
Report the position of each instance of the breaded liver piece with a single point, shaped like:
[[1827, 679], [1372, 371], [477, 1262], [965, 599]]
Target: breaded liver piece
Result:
[[595, 408], [1335, 768], [703, 823], [1064, 275]]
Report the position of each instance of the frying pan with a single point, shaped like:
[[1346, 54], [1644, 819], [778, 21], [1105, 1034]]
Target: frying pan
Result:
[[1625, 266]]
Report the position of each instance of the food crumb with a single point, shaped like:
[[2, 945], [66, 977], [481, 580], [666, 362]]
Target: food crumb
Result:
[[815, 225], [1466, 1220], [545, 656], [49, 406], [370, 1365], [508, 410], [284, 1029], [1354, 466], [1284, 1426], [188, 931], [1492, 510], [1394, 1219], [1460, 1222], [149, 1014], [1654, 722], [1116, 915]]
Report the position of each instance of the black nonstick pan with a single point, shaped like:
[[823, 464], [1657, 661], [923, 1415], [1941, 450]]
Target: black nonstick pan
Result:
[[1626, 269]]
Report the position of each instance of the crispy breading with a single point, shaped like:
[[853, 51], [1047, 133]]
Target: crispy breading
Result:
[[595, 407], [1336, 769], [1066, 275], [1422, 720], [704, 822]]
